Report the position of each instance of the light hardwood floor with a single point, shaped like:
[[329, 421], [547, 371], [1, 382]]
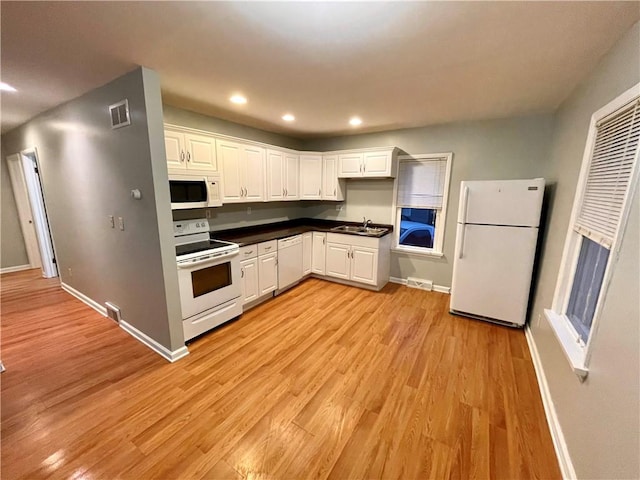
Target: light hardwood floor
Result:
[[324, 381]]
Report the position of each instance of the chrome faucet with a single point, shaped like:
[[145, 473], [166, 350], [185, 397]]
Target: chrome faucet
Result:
[[365, 223]]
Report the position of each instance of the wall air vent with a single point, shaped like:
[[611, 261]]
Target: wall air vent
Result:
[[120, 114], [420, 283], [113, 312]]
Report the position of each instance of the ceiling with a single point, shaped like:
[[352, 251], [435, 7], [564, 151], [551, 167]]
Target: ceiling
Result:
[[394, 64]]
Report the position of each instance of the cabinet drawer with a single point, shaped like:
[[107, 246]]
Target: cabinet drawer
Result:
[[248, 251], [267, 247]]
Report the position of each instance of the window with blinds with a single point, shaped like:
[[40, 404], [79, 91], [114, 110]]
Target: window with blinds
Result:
[[612, 159], [420, 201]]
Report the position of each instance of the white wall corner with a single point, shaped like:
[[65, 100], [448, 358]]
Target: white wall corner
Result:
[[167, 354], [559, 443], [17, 268]]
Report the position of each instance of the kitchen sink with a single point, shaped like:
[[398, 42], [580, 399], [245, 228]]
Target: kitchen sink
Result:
[[358, 230]]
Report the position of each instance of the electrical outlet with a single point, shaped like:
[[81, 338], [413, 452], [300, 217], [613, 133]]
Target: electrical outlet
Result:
[[70, 272], [121, 223], [248, 210], [112, 221]]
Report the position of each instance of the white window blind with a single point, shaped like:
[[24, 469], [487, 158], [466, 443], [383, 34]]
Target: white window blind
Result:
[[614, 153], [421, 183]]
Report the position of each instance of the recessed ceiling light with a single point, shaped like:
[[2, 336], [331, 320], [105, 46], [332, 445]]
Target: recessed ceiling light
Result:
[[6, 87], [355, 121], [239, 99], [288, 117]]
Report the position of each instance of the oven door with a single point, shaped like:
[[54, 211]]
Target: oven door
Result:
[[208, 283]]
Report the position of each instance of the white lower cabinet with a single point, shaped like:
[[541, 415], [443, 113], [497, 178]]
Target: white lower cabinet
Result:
[[268, 273], [249, 276], [318, 255], [307, 253], [358, 259]]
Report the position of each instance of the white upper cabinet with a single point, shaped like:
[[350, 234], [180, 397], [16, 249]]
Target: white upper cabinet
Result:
[[283, 176], [369, 163], [311, 177], [189, 152], [332, 187], [243, 170]]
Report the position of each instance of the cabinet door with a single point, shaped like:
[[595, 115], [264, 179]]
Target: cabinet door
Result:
[[330, 177], [319, 253], [338, 260], [229, 158], [310, 177], [364, 265], [377, 164], [201, 152], [174, 147], [268, 273], [275, 175], [307, 253], [249, 275], [253, 173], [292, 182], [350, 165]]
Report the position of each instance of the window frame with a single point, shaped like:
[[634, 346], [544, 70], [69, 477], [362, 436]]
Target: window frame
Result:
[[578, 353], [438, 241]]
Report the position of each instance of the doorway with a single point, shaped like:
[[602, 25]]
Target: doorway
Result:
[[24, 171]]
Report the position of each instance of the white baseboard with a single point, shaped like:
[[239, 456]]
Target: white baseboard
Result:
[[17, 268], [435, 288], [559, 443], [172, 356], [131, 330], [102, 310]]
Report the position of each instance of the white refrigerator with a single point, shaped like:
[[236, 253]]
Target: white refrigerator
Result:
[[496, 240]]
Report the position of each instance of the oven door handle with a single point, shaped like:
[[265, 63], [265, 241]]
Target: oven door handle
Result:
[[205, 261]]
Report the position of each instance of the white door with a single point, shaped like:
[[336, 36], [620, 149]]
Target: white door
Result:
[[249, 276], [292, 183], [21, 195], [253, 173], [512, 202], [307, 253], [174, 147], [268, 273], [350, 165], [275, 175], [229, 157], [319, 253], [310, 177], [492, 271], [201, 152], [364, 265], [338, 260], [330, 177], [377, 164]]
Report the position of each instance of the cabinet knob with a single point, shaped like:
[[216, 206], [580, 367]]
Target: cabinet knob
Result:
[[319, 192], [188, 156]]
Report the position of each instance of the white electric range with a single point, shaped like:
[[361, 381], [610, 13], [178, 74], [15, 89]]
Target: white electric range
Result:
[[209, 277]]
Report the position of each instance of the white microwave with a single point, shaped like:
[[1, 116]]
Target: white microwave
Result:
[[194, 191]]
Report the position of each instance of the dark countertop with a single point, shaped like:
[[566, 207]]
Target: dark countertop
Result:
[[274, 231]]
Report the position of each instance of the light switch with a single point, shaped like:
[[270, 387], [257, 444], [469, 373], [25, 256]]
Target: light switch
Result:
[[112, 221], [121, 223]]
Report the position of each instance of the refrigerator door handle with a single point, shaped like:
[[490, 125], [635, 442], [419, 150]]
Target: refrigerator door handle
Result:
[[465, 204], [462, 232]]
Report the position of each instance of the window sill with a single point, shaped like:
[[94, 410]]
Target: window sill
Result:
[[575, 353], [418, 253]]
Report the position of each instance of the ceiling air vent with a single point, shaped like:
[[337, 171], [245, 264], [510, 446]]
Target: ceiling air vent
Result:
[[120, 114]]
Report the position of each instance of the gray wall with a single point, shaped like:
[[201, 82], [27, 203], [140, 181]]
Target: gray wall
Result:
[[88, 171], [600, 418], [484, 150], [12, 248]]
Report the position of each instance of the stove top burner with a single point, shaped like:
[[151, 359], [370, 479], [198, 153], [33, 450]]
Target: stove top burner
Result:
[[200, 247]]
